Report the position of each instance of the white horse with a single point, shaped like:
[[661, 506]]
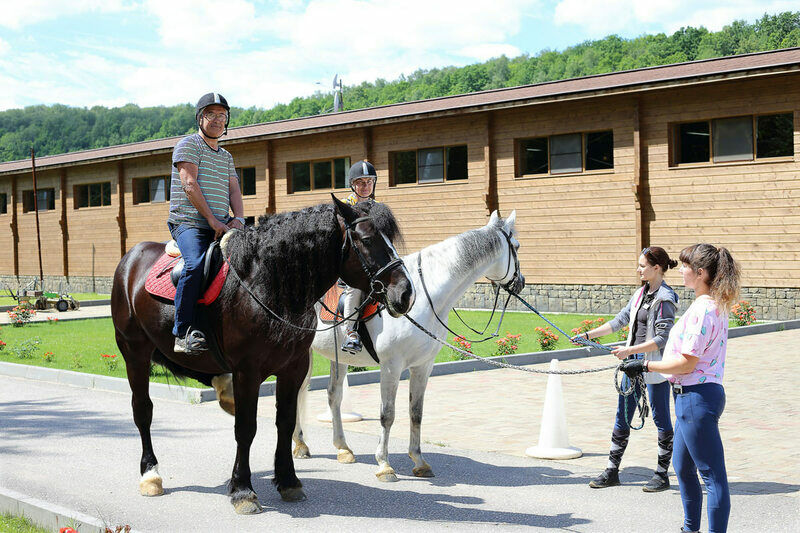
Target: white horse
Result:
[[449, 268]]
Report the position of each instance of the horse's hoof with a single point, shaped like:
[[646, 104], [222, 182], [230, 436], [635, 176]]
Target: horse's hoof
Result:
[[386, 475], [301, 452], [151, 484], [294, 494], [248, 506], [423, 471], [345, 457], [223, 385]]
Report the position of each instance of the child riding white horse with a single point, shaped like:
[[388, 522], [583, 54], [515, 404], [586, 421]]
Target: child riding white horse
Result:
[[449, 269]]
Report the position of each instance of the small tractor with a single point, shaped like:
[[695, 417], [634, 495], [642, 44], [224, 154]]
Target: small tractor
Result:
[[42, 299]]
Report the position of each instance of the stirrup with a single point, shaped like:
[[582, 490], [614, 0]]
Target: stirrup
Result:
[[352, 342], [194, 343]]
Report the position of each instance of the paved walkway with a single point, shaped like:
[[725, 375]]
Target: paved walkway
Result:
[[79, 449], [96, 311]]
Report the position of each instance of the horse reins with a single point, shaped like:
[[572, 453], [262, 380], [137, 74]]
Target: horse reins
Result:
[[364, 265], [512, 253]]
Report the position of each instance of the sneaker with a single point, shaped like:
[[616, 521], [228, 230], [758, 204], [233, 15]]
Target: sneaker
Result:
[[194, 343], [657, 483], [609, 478], [352, 342]]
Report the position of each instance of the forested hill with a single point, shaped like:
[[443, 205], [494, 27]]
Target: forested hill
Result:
[[58, 129]]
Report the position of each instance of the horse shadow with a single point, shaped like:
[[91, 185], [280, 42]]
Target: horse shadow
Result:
[[350, 499], [454, 470]]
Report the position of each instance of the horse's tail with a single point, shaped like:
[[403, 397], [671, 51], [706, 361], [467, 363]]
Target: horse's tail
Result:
[[179, 371]]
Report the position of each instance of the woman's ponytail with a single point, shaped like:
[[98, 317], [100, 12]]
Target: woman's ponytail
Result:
[[724, 273]]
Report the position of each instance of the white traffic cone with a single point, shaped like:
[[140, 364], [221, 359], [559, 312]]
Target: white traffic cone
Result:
[[553, 439], [348, 415]]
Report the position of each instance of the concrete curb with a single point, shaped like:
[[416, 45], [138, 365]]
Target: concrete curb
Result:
[[90, 303], [181, 393], [48, 515]]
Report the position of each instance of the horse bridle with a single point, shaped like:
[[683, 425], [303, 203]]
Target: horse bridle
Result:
[[513, 252], [507, 286], [377, 287]]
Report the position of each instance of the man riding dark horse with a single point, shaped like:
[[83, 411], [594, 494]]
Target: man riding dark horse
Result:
[[204, 189]]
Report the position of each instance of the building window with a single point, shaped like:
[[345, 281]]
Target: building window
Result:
[[247, 180], [3, 203], [429, 165], [150, 190], [733, 139], [566, 154], [317, 175], [92, 195], [46, 200]]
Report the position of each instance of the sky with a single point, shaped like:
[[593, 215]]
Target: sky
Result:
[[258, 53]]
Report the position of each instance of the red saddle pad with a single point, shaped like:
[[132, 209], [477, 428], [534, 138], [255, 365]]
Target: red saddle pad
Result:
[[158, 282], [331, 301]]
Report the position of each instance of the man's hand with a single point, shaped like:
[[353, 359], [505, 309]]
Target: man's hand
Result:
[[633, 367], [235, 224], [219, 228]]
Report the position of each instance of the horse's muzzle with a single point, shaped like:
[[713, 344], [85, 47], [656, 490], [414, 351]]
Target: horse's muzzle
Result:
[[516, 285], [399, 295]]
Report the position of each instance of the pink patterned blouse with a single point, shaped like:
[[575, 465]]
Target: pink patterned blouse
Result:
[[701, 332]]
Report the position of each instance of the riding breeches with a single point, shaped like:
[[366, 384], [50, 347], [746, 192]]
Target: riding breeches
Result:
[[193, 243], [352, 299]]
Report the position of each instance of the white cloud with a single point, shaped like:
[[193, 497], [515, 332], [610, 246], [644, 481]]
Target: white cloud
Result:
[[4, 47], [601, 18], [16, 15]]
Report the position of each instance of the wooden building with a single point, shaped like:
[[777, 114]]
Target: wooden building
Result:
[[596, 168]]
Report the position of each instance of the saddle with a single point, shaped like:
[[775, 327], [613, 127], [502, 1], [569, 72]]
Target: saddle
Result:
[[162, 280], [333, 299]]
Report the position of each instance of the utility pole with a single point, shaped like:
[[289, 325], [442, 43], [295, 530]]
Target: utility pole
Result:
[[36, 211]]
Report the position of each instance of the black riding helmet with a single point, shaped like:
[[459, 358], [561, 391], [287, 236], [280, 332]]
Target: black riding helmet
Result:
[[212, 99], [362, 169]]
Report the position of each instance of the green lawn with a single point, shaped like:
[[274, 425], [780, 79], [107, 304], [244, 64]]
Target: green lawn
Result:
[[80, 296], [78, 344], [16, 524]]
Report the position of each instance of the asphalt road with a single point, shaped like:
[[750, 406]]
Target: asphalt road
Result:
[[80, 449]]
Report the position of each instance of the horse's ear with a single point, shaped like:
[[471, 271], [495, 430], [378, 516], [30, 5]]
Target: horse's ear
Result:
[[509, 225], [493, 219], [347, 212]]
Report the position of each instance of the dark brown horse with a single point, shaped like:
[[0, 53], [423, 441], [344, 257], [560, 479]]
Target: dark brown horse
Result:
[[285, 264]]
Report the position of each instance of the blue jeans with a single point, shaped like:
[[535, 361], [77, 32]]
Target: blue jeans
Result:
[[193, 243], [658, 394], [698, 446]]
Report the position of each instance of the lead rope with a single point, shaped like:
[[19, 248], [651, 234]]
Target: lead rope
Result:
[[501, 364], [641, 402]]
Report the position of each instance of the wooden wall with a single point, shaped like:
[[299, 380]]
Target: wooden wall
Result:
[[752, 208], [574, 228]]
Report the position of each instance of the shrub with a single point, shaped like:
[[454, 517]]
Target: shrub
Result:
[[22, 314], [461, 342], [546, 338], [508, 345], [743, 314], [48, 357], [588, 325], [26, 348], [623, 333], [77, 361], [110, 361]]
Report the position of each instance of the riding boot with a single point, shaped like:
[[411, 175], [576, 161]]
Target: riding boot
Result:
[[610, 476], [660, 479]]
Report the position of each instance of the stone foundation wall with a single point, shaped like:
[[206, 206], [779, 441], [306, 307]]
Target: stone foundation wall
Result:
[[769, 303], [98, 284]]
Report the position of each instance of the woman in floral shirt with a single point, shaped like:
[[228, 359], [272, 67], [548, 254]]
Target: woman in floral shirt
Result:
[[694, 362]]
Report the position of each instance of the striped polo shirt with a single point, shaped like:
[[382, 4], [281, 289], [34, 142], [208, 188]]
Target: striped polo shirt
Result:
[[214, 171]]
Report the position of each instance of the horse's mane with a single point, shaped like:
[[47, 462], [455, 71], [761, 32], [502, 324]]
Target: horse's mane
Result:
[[290, 259], [383, 219], [474, 245]]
